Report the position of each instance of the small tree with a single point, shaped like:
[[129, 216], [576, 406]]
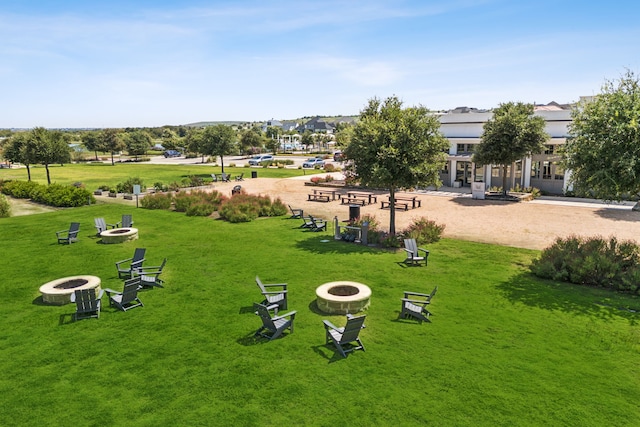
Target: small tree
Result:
[[250, 138], [603, 148], [137, 142], [47, 147], [92, 142], [219, 140], [14, 150], [396, 148], [111, 142], [511, 134]]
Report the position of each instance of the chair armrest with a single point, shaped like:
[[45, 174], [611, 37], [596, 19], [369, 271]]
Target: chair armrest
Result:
[[273, 292], [283, 285], [416, 301], [142, 271], [61, 231], [409, 251], [100, 294], [406, 294], [111, 291], [291, 314], [423, 250], [329, 325], [116, 225], [124, 260]]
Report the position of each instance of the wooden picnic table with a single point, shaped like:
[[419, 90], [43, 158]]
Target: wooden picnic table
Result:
[[334, 194], [415, 202], [371, 198]]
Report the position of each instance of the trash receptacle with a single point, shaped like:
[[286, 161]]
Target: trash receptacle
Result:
[[354, 212], [236, 190], [254, 174]]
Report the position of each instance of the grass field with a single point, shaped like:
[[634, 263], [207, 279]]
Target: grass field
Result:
[[503, 348]]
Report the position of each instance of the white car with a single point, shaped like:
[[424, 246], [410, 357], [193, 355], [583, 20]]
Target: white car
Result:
[[313, 163], [257, 160]]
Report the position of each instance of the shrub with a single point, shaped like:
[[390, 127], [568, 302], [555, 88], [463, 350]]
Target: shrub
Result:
[[127, 186], [5, 207], [329, 167], [158, 186], [424, 231], [182, 201], [19, 189], [245, 207], [156, 201], [591, 261], [200, 209]]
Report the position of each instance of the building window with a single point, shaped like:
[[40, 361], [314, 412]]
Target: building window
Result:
[[495, 171], [559, 172], [546, 170], [535, 170], [518, 170], [478, 175], [549, 149]]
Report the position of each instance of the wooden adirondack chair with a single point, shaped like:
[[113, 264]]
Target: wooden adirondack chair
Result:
[[127, 267], [150, 275], [128, 298], [87, 303], [414, 305], [69, 236], [343, 338], [271, 297], [413, 252], [273, 326]]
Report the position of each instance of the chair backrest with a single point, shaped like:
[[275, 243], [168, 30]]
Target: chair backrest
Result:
[[411, 245], [130, 291], [127, 220], [433, 292], [352, 329], [263, 312], [225, 177], [138, 255], [101, 225], [74, 228], [215, 178], [260, 285], [86, 301], [164, 261]]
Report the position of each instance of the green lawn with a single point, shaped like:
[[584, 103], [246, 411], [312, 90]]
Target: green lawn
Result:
[[93, 175], [503, 349]]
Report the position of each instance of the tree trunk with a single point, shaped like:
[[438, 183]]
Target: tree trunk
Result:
[[46, 166], [28, 172], [392, 211], [113, 163], [222, 163], [504, 180]]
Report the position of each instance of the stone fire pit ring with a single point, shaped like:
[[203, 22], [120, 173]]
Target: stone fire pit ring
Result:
[[58, 292], [343, 297], [119, 235]]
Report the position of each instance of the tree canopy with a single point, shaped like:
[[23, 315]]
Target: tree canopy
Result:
[[512, 133], [219, 140], [396, 148], [137, 142], [603, 148], [46, 147], [111, 141]]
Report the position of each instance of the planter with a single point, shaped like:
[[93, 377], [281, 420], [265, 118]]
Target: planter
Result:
[[97, 193], [112, 194], [128, 196]]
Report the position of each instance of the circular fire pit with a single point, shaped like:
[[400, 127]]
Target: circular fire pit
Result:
[[343, 297], [119, 235], [58, 292]]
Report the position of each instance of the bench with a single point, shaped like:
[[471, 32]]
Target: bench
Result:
[[318, 197], [397, 205], [371, 198], [415, 202], [353, 200]]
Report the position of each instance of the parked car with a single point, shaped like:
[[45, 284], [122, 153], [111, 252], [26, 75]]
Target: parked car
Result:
[[172, 153], [257, 160], [313, 162]]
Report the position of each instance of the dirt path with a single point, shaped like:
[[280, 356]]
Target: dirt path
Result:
[[533, 225]]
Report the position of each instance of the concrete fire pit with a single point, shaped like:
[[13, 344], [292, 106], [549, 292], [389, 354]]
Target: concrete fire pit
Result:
[[343, 297], [58, 292], [119, 235]]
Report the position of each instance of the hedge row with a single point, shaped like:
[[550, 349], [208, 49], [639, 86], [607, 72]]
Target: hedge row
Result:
[[57, 195]]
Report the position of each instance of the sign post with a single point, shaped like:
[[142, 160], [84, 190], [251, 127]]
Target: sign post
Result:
[[136, 191]]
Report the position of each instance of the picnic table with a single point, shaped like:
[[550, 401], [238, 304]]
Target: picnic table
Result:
[[323, 195], [369, 197], [415, 202]]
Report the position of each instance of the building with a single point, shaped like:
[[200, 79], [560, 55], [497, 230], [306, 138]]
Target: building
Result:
[[463, 128]]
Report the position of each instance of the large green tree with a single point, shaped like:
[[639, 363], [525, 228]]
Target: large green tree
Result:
[[512, 133], [14, 150], [250, 138], [603, 148], [112, 142], [47, 147], [219, 140], [396, 148], [92, 141], [137, 142]]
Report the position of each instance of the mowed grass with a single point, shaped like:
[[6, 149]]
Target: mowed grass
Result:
[[503, 348], [94, 175]]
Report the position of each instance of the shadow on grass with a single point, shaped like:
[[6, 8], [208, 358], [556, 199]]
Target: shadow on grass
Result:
[[253, 339], [246, 310], [39, 301], [326, 244], [567, 297], [66, 319], [328, 352]]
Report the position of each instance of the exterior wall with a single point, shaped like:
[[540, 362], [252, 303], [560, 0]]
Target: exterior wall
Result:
[[464, 130]]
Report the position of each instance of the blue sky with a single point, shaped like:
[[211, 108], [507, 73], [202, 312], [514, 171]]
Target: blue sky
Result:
[[150, 63]]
